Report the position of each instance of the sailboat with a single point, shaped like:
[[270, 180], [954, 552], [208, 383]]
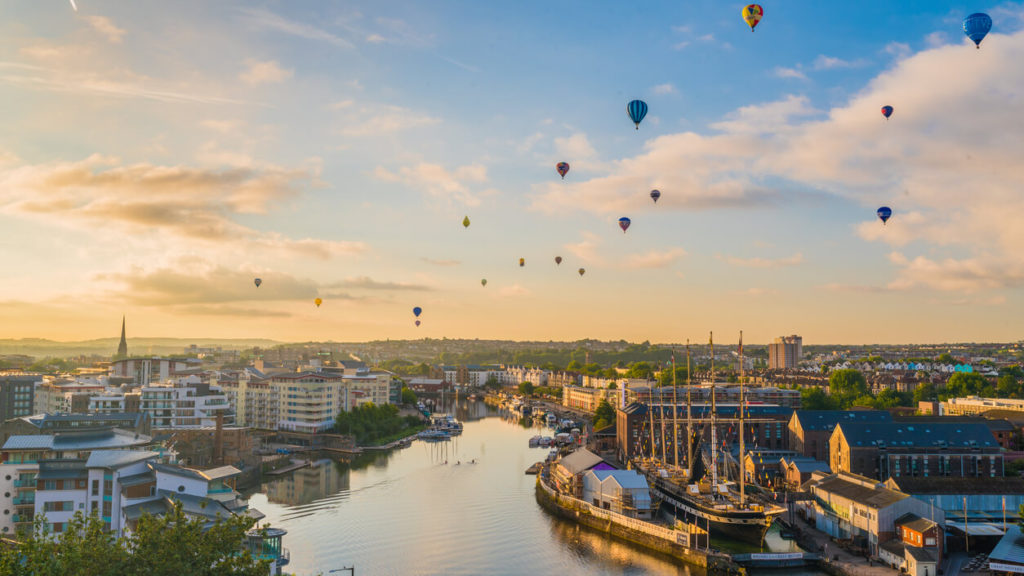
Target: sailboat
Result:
[[725, 511]]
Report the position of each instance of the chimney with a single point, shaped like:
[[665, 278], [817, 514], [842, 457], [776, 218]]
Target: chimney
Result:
[[218, 440]]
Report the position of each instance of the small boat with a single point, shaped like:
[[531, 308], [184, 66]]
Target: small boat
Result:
[[434, 435], [553, 455], [534, 468], [535, 442], [545, 441]]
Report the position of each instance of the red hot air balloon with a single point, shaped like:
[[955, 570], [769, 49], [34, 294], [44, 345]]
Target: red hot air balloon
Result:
[[624, 224], [563, 169], [886, 111], [558, 260]]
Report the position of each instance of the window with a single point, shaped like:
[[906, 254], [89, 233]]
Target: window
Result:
[[49, 485], [108, 487], [106, 509], [95, 487]]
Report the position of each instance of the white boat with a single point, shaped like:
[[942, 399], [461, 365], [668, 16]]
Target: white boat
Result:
[[535, 442], [445, 422], [434, 435]]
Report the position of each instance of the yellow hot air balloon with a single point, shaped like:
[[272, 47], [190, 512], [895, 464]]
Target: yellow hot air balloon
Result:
[[318, 302], [465, 222], [522, 262], [753, 13], [582, 271]]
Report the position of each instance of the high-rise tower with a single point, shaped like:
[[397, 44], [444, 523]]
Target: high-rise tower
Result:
[[122, 348]]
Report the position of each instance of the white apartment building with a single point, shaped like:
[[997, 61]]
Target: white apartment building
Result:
[[308, 401], [144, 371], [253, 399], [374, 387], [55, 398], [21, 465], [973, 405], [520, 374], [187, 403]]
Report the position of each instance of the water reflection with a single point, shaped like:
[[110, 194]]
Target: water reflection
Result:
[[306, 485]]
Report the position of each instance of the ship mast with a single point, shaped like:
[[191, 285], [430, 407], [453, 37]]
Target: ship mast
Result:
[[743, 472], [675, 415], [661, 413], [689, 418], [714, 409], [650, 414]]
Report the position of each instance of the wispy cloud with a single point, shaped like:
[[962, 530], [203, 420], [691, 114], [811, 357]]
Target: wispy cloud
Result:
[[106, 27], [757, 262], [377, 119], [450, 185], [823, 62], [514, 291], [782, 72], [442, 262], [367, 283], [655, 258], [586, 249], [264, 19], [264, 72], [666, 88]]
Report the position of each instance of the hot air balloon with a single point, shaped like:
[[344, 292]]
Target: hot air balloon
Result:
[[884, 213], [886, 111], [582, 271], [318, 302], [257, 282], [483, 282], [417, 311], [624, 224], [563, 169], [753, 13], [976, 26], [417, 323], [558, 260], [522, 262], [655, 194], [637, 109], [465, 222]]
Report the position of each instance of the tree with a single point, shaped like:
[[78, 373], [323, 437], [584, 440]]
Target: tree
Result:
[[640, 370], [963, 384], [925, 392], [574, 366], [665, 376], [816, 399], [945, 358], [408, 396], [1008, 387], [890, 398], [492, 382], [846, 386], [604, 415], [526, 388], [612, 386], [166, 545]]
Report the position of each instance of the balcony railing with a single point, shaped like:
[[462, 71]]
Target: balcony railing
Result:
[[25, 499]]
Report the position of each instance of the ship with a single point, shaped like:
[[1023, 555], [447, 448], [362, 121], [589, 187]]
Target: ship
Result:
[[722, 507]]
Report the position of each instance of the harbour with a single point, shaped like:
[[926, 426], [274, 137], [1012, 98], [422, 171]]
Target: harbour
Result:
[[407, 511]]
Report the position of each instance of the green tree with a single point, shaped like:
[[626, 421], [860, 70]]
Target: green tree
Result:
[[665, 376], [925, 392], [526, 388], [492, 382], [408, 396], [171, 544], [1008, 387], [890, 398], [945, 358], [604, 415], [963, 384], [816, 399], [574, 366], [641, 370], [846, 386]]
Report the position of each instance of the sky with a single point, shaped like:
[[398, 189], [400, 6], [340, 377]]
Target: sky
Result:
[[156, 157]]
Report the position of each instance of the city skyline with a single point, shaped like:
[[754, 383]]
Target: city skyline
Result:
[[160, 157]]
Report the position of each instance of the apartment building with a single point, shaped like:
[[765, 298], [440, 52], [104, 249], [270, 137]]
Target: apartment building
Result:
[[186, 403], [17, 395], [56, 397], [785, 352]]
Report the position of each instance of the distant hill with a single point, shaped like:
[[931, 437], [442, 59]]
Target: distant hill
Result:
[[40, 347]]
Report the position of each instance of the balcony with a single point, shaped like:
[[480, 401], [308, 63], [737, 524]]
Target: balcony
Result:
[[25, 499], [25, 483]]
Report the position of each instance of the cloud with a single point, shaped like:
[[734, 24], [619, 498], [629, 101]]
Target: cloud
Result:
[[445, 263], [264, 19], [765, 262], [439, 182], [106, 27], [80, 81], [968, 275], [186, 204], [514, 291], [936, 39], [823, 62], [782, 72], [754, 292], [264, 72], [666, 88], [375, 120], [898, 50], [586, 249], [367, 283], [198, 282], [655, 258]]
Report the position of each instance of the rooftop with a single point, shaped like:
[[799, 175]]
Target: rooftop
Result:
[[624, 478], [1010, 549], [883, 434], [88, 440], [950, 485], [117, 458], [828, 419], [876, 497], [580, 461]]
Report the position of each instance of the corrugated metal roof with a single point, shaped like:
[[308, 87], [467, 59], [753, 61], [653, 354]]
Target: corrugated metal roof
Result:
[[118, 458], [624, 478], [876, 498], [1010, 549], [931, 434], [828, 419]]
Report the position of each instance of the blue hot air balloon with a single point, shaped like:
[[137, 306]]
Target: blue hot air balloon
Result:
[[655, 194], [976, 26], [417, 311], [624, 224], [637, 110], [884, 213], [887, 111]]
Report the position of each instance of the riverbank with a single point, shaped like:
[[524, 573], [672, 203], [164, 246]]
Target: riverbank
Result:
[[679, 544]]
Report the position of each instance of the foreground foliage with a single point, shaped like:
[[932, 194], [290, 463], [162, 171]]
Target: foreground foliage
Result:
[[370, 424], [168, 545]]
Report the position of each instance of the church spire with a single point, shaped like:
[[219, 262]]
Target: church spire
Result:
[[122, 348]]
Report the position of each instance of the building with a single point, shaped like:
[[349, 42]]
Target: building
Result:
[[883, 449], [785, 352], [307, 402], [251, 397], [568, 471], [586, 399], [917, 532], [848, 506], [17, 395], [186, 403], [974, 405], [144, 371], [115, 402], [1006, 433], [53, 423], [1007, 558], [987, 500], [621, 491], [810, 430], [724, 394], [54, 397], [22, 456], [799, 469], [763, 466]]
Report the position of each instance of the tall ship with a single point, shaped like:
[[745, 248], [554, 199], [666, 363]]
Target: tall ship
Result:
[[723, 507]]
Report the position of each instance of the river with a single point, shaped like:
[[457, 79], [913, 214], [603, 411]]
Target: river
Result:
[[429, 509]]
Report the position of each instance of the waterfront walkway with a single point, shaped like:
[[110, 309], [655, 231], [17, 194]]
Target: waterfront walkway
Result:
[[838, 559]]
